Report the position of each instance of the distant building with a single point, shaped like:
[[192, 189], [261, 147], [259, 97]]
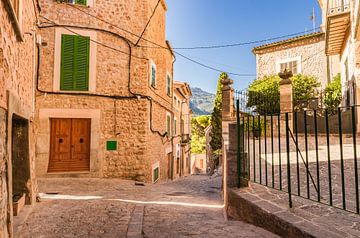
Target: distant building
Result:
[[198, 164], [209, 152], [182, 129], [302, 55]]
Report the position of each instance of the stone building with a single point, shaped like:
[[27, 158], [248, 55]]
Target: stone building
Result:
[[210, 166], [17, 80], [182, 129], [303, 54], [108, 117], [341, 22]]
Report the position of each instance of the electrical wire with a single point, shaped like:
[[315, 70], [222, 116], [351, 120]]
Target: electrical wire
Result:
[[160, 46], [147, 24]]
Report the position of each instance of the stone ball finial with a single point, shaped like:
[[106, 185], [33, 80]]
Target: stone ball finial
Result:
[[285, 76]]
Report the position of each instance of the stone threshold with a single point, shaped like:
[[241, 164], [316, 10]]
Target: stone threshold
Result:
[[268, 208]]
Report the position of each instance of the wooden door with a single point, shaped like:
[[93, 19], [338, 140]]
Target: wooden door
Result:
[[80, 146], [60, 145], [69, 145]]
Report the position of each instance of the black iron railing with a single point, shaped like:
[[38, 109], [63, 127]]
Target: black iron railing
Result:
[[311, 154]]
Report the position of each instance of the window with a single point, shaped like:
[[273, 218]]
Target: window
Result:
[[74, 73], [156, 174], [175, 126], [168, 85], [168, 124], [80, 2], [290, 66], [152, 74]]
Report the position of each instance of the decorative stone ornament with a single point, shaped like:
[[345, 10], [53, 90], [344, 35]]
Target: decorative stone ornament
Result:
[[285, 76], [227, 82]]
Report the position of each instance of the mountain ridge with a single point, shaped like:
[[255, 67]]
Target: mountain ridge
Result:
[[202, 102]]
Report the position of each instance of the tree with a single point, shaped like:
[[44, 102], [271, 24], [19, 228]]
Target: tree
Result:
[[216, 117], [198, 140], [333, 95]]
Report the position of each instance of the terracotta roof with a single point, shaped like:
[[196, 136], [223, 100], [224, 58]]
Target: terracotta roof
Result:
[[290, 40]]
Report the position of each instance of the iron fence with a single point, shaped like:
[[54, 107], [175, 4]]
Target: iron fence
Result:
[[310, 153]]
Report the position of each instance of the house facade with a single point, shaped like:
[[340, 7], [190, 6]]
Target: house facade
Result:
[[104, 90], [182, 129], [17, 97], [341, 22], [302, 55]]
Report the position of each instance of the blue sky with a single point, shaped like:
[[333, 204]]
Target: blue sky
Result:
[[213, 22]]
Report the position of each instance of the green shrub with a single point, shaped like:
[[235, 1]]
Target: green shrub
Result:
[[333, 95], [264, 93]]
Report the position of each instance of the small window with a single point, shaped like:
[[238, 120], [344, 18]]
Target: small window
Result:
[[168, 85], [79, 2], [168, 124], [74, 73], [153, 75], [156, 174], [290, 66], [175, 126]]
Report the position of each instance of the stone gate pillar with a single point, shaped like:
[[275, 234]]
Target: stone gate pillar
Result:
[[286, 99]]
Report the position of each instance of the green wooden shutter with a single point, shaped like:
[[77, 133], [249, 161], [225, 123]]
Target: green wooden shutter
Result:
[[82, 51], [168, 86], [81, 2], [67, 62], [74, 74], [153, 76], [168, 125]]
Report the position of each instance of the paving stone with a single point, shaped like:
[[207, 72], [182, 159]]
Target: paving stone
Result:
[[119, 208]]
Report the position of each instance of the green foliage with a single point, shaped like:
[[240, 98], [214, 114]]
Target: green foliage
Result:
[[264, 94], [305, 89], [216, 117], [333, 95], [198, 140]]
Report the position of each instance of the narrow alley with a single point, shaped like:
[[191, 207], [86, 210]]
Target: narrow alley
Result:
[[83, 207]]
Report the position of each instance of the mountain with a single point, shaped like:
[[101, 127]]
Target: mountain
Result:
[[202, 102]]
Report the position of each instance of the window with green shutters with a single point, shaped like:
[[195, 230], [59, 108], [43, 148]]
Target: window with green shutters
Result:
[[156, 174], [81, 2], [74, 74], [175, 127], [168, 122], [168, 85], [153, 75]]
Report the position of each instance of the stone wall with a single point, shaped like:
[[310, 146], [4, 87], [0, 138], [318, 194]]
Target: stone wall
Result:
[[310, 51], [138, 123], [16, 97]]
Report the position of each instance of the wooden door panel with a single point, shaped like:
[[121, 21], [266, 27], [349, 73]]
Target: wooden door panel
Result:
[[60, 145], [80, 147]]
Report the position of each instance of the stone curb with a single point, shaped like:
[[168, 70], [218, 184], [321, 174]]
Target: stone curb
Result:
[[245, 207], [136, 223]]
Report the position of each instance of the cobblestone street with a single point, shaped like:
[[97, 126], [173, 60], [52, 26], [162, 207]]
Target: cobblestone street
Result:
[[190, 207]]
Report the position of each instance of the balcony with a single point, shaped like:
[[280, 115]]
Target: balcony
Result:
[[338, 22]]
